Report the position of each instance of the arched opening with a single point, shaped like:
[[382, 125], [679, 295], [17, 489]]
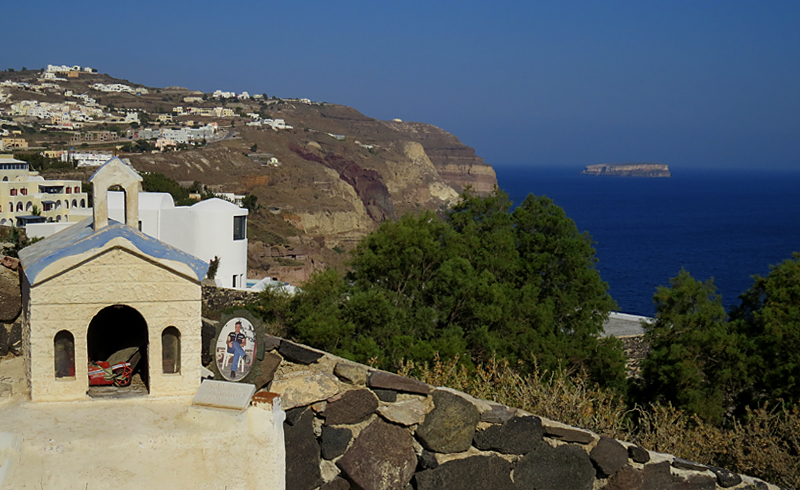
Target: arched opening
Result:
[[58, 218], [74, 203], [83, 203], [64, 358], [29, 206], [171, 350], [19, 206], [118, 334], [5, 179]]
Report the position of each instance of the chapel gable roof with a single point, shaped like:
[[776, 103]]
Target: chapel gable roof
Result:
[[81, 242]]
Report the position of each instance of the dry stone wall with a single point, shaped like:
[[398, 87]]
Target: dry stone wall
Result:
[[349, 426]]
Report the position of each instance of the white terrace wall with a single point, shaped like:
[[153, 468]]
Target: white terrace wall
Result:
[[70, 300]]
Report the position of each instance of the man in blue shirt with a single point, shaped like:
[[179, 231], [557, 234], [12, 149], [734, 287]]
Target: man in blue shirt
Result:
[[236, 343]]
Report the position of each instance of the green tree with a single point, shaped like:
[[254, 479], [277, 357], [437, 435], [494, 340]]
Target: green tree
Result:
[[695, 360], [250, 202], [474, 283], [769, 316]]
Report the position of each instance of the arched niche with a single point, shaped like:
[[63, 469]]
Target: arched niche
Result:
[[64, 354], [171, 351]]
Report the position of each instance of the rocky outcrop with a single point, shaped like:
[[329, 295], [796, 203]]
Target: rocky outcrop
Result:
[[351, 426], [629, 170]]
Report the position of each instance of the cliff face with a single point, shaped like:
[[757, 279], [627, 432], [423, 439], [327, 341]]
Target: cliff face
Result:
[[629, 170], [340, 175]]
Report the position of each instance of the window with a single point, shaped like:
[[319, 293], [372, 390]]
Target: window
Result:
[[24, 191], [171, 350], [69, 190], [233, 281], [13, 192], [19, 206], [77, 190], [239, 227], [64, 358]]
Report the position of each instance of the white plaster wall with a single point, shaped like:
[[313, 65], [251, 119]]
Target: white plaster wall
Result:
[[205, 230], [69, 301]]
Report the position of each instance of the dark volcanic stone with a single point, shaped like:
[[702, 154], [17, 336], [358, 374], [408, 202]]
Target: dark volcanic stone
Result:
[[268, 367], [208, 332], [725, 478], [658, 476], [271, 343], [608, 456], [427, 460], [351, 407], [473, 473], [450, 426], [688, 465], [638, 454], [626, 478], [388, 396], [298, 353], [293, 414], [334, 441], [569, 435], [381, 458], [547, 468], [302, 453], [389, 381], [519, 435], [336, 484]]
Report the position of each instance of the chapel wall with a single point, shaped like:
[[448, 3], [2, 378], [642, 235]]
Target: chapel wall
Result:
[[69, 301]]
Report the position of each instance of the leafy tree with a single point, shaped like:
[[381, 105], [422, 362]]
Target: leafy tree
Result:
[[769, 316], [477, 282], [250, 202], [696, 361]]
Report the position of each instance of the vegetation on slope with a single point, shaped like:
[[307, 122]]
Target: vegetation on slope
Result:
[[508, 306]]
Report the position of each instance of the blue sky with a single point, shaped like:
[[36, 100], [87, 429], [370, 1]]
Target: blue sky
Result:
[[687, 83]]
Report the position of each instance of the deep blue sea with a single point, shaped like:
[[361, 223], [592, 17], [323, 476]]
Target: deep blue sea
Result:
[[722, 224]]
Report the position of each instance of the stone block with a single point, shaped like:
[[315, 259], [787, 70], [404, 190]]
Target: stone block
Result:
[[638, 454], [302, 453], [350, 372], [388, 396], [657, 476], [473, 473], [351, 407], [336, 484], [450, 426], [268, 367], [684, 464], [626, 478], [408, 412], [427, 460], [725, 478], [303, 388], [498, 414], [608, 456], [381, 458], [519, 435], [334, 441], [568, 434], [559, 468], [298, 353], [271, 343], [389, 381]]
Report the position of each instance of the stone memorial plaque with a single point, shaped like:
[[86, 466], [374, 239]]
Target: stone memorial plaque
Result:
[[224, 394]]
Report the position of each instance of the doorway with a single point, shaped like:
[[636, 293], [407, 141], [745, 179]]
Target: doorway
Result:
[[118, 335]]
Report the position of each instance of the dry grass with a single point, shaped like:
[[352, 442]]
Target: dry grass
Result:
[[765, 443]]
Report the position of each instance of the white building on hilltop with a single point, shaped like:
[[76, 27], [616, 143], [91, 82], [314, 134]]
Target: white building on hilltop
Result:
[[208, 229]]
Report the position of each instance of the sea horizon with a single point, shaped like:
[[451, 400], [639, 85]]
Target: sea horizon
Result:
[[725, 224]]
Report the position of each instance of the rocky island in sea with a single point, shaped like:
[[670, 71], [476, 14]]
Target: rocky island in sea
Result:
[[629, 170]]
